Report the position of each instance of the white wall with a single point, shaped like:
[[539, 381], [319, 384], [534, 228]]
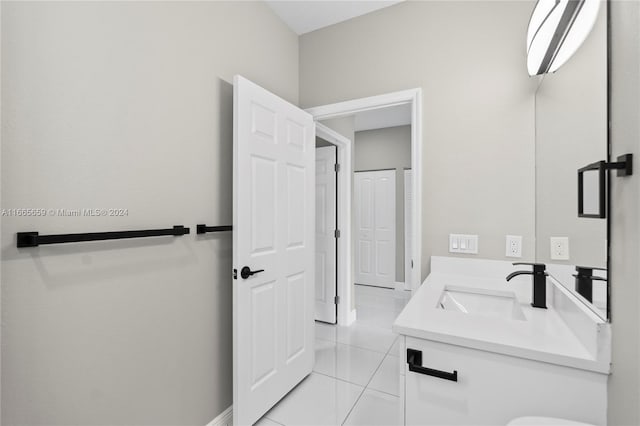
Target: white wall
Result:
[[624, 272], [124, 105], [469, 59], [388, 148]]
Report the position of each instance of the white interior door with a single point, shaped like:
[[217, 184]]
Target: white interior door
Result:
[[273, 238], [375, 209], [325, 234], [408, 235]]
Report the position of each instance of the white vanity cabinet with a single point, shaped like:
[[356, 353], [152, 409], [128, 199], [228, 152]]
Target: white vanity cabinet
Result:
[[551, 362], [492, 388]]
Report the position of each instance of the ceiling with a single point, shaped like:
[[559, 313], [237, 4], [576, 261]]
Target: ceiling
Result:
[[304, 16]]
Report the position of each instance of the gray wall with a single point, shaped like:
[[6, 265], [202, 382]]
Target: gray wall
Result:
[[388, 148], [478, 107], [624, 383], [571, 132], [124, 105]]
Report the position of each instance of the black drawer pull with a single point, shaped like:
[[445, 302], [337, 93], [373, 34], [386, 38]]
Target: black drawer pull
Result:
[[414, 359]]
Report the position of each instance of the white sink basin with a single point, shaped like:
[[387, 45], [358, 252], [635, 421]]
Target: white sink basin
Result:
[[475, 301]]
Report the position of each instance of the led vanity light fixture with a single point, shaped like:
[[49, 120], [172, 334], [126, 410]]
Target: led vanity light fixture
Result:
[[557, 29]]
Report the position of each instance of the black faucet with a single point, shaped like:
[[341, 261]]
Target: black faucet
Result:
[[539, 292], [584, 280]]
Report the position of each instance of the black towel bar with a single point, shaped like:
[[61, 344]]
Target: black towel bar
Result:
[[203, 229], [34, 239]]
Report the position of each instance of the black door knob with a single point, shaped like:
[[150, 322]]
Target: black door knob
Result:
[[246, 272]]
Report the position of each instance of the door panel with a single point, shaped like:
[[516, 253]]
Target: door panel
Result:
[[375, 228], [365, 256], [295, 209], [296, 288], [321, 290], [273, 217], [365, 233], [366, 201], [325, 238], [263, 209], [383, 263], [263, 331]]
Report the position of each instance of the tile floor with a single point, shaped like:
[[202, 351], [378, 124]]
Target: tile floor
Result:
[[355, 380]]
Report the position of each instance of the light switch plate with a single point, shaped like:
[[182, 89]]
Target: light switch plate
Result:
[[514, 246], [463, 243], [559, 248]]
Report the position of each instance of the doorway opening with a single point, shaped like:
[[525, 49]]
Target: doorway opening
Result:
[[410, 266]]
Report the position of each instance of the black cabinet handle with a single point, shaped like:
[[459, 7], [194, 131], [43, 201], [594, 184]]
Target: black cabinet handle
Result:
[[414, 359], [246, 272]]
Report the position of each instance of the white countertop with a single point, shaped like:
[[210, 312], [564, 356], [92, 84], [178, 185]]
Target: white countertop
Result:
[[563, 334]]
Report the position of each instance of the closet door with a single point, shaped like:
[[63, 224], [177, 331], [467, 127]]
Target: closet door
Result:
[[375, 210]]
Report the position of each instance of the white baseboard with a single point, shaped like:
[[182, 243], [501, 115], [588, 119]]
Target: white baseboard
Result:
[[224, 419], [399, 286]]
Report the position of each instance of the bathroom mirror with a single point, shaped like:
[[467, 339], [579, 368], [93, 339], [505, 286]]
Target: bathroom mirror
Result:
[[571, 133]]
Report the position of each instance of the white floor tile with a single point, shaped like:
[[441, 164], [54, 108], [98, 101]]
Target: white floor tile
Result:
[[376, 316], [395, 349], [317, 400], [366, 337], [387, 378], [266, 422], [399, 302], [381, 297], [349, 363], [373, 296], [326, 331], [376, 408]]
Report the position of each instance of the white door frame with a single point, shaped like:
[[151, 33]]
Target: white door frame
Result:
[[407, 229], [345, 155], [345, 273]]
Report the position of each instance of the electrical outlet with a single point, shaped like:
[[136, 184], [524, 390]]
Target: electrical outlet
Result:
[[514, 246], [559, 248]]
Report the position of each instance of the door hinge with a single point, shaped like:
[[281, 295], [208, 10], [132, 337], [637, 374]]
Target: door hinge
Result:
[[336, 233], [411, 263], [336, 167], [336, 299], [235, 274]]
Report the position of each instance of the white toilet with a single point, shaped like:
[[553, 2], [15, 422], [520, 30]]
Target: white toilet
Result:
[[544, 421]]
